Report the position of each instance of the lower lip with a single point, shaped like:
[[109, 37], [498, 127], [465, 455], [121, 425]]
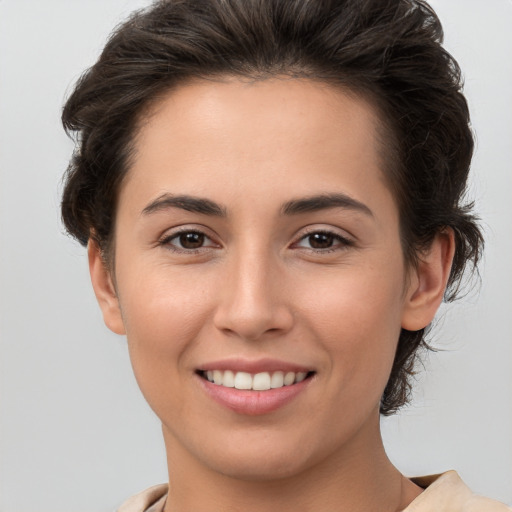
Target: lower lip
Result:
[[253, 403]]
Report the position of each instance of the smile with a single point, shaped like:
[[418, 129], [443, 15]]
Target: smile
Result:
[[262, 381]]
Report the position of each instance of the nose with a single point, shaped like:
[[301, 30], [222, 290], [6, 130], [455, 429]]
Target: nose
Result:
[[253, 301]]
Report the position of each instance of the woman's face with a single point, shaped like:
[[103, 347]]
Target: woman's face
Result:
[[255, 234]]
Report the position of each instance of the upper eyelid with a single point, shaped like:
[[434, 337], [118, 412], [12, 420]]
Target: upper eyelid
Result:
[[172, 233], [192, 228], [341, 239], [304, 232], [310, 230]]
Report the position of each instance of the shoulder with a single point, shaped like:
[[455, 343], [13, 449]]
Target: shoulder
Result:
[[448, 493], [150, 500]]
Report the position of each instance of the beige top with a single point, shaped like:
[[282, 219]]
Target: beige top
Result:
[[443, 493]]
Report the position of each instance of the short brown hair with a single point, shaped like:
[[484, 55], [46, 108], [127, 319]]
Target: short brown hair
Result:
[[389, 51]]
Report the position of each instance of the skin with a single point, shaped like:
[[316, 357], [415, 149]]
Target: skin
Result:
[[257, 287]]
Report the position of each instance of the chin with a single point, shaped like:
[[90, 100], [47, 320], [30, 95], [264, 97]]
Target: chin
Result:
[[261, 459]]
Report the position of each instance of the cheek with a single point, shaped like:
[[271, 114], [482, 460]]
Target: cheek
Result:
[[355, 302], [161, 302], [163, 314], [159, 315], [357, 318]]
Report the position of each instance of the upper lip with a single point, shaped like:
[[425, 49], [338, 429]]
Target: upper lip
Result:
[[254, 366]]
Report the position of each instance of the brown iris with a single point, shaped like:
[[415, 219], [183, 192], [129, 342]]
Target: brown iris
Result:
[[321, 240], [191, 240]]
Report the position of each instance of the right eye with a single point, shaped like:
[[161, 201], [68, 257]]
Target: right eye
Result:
[[189, 240]]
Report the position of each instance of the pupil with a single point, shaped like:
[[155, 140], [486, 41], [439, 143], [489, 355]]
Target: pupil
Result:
[[191, 240], [320, 240]]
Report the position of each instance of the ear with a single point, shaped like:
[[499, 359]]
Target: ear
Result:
[[428, 282], [104, 289]]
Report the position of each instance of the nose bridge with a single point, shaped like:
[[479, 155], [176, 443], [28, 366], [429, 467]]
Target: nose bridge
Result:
[[252, 301]]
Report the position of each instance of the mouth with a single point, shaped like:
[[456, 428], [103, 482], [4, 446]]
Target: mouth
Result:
[[262, 381], [255, 387]]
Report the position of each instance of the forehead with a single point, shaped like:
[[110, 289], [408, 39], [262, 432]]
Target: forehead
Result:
[[287, 133]]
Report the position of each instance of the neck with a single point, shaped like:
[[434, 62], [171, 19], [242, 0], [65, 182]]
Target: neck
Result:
[[358, 478]]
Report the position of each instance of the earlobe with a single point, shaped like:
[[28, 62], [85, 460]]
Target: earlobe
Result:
[[428, 282], [104, 289]]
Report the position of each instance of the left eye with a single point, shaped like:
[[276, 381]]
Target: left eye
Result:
[[322, 240]]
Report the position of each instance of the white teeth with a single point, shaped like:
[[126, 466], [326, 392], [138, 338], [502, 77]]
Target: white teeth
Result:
[[229, 379], [258, 382], [300, 376], [261, 381], [217, 377], [243, 380], [277, 380], [289, 378]]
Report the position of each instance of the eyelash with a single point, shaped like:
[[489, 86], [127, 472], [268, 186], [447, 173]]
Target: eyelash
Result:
[[342, 242], [166, 241]]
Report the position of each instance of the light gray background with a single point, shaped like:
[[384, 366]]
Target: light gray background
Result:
[[75, 432]]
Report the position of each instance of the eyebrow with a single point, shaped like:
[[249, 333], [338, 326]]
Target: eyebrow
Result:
[[185, 202], [323, 202], [293, 207]]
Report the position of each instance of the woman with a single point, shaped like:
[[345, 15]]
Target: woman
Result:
[[272, 197]]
